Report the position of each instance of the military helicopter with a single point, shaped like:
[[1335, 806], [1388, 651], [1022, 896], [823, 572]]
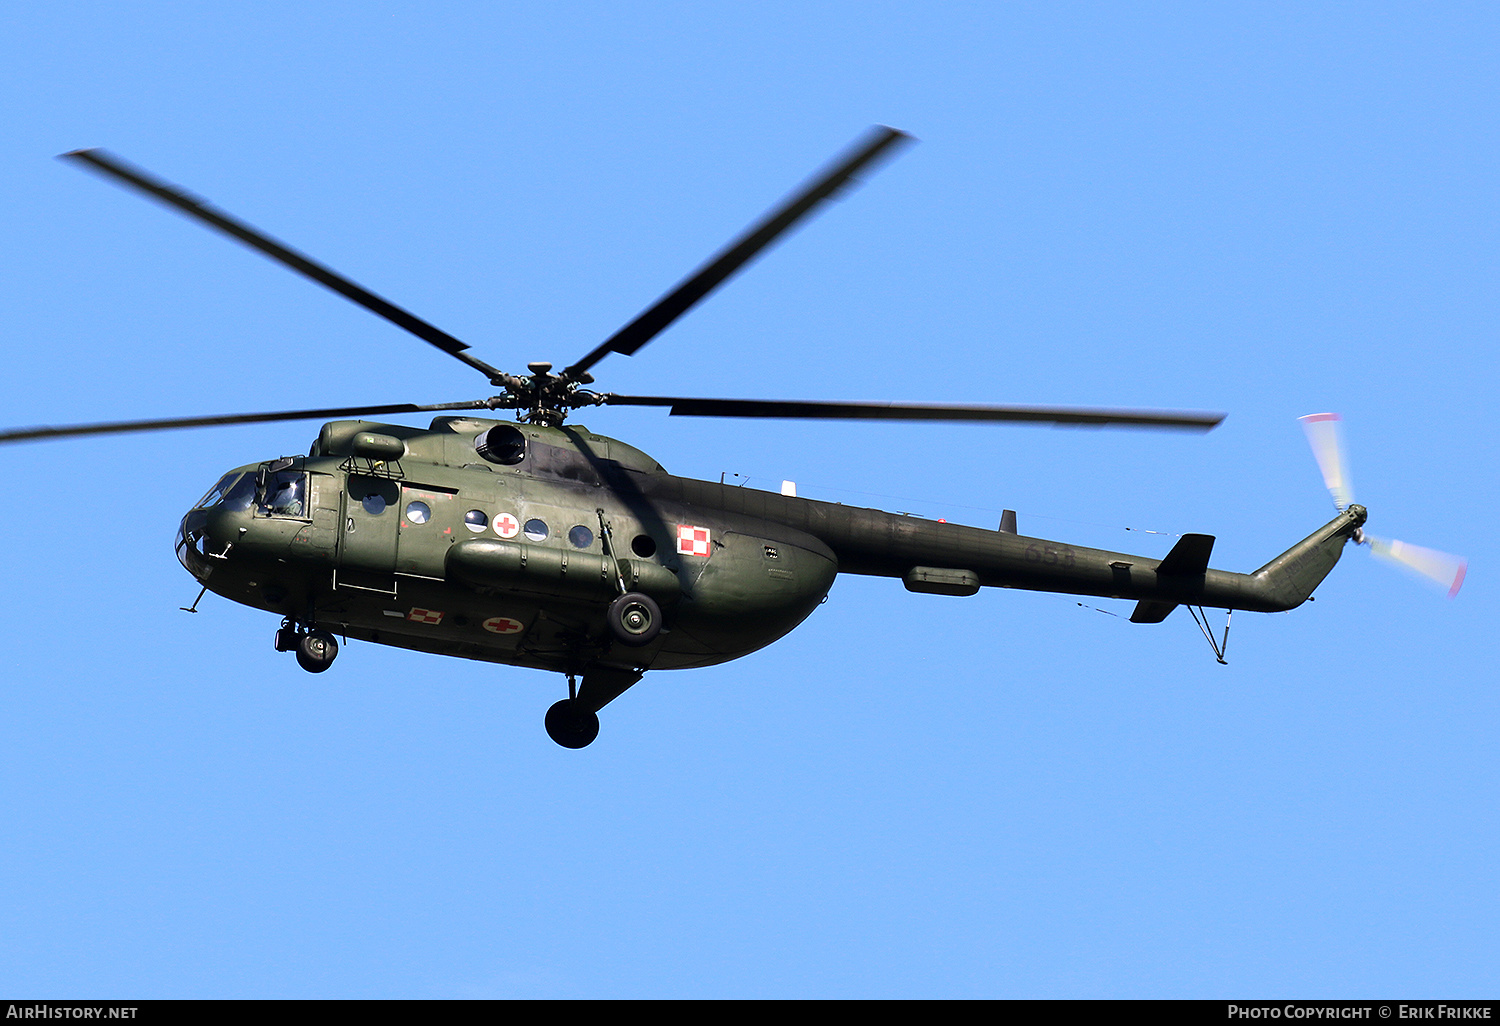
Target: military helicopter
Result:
[[539, 543]]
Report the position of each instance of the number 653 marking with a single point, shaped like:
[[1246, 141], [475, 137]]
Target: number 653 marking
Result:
[[1049, 556]]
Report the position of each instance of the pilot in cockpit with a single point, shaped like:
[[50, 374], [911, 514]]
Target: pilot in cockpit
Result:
[[284, 495]]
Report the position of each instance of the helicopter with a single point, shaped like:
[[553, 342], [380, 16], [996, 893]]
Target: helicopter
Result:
[[537, 542]]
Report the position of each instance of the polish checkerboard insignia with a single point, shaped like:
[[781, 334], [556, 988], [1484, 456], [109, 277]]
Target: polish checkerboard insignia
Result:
[[417, 615], [503, 625], [507, 526], [692, 541]]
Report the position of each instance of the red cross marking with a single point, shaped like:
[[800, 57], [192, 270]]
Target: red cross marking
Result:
[[507, 526]]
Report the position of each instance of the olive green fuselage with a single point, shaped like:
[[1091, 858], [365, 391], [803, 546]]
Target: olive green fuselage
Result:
[[420, 538]]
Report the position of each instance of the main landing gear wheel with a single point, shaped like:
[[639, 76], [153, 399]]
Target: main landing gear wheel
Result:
[[571, 725], [634, 619], [316, 651]]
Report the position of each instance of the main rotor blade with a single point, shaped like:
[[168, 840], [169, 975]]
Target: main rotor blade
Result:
[[37, 434], [806, 410], [740, 252], [108, 164]]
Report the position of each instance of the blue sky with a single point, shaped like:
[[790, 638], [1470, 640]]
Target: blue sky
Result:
[[1270, 210]]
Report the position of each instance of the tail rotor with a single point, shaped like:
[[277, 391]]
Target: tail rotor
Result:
[[1441, 567], [1325, 435]]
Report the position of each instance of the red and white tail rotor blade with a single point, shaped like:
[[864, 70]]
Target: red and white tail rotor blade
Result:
[[1446, 569], [1325, 434]]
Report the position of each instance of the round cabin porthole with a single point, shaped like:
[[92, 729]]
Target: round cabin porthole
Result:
[[418, 512], [581, 537], [374, 504], [476, 521], [535, 530]]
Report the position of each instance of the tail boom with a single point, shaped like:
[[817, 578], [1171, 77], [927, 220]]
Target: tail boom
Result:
[[875, 543], [998, 559]]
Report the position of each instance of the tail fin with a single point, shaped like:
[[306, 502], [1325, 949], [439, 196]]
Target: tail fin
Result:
[[1287, 581]]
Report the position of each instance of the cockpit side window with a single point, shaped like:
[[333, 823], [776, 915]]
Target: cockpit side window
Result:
[[285, 494]]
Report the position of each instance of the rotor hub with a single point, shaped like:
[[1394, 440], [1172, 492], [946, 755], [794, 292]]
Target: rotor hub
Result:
[[543, 397]]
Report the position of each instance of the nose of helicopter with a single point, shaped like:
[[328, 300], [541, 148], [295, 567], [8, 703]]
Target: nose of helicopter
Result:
[[192, 544], [204, 528]]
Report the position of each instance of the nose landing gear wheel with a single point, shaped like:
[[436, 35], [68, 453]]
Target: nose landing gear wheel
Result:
[[316, 651], [634, 619], [571, 725]]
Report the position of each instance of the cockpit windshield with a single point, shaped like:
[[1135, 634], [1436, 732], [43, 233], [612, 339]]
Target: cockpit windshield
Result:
[[235, 490], [217, 491]]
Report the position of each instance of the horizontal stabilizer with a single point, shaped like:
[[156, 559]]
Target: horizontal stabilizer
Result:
[[1148, 611], [1188, 557]]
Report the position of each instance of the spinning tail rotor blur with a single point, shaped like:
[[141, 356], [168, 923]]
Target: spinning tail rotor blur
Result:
[[1325, 434]]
